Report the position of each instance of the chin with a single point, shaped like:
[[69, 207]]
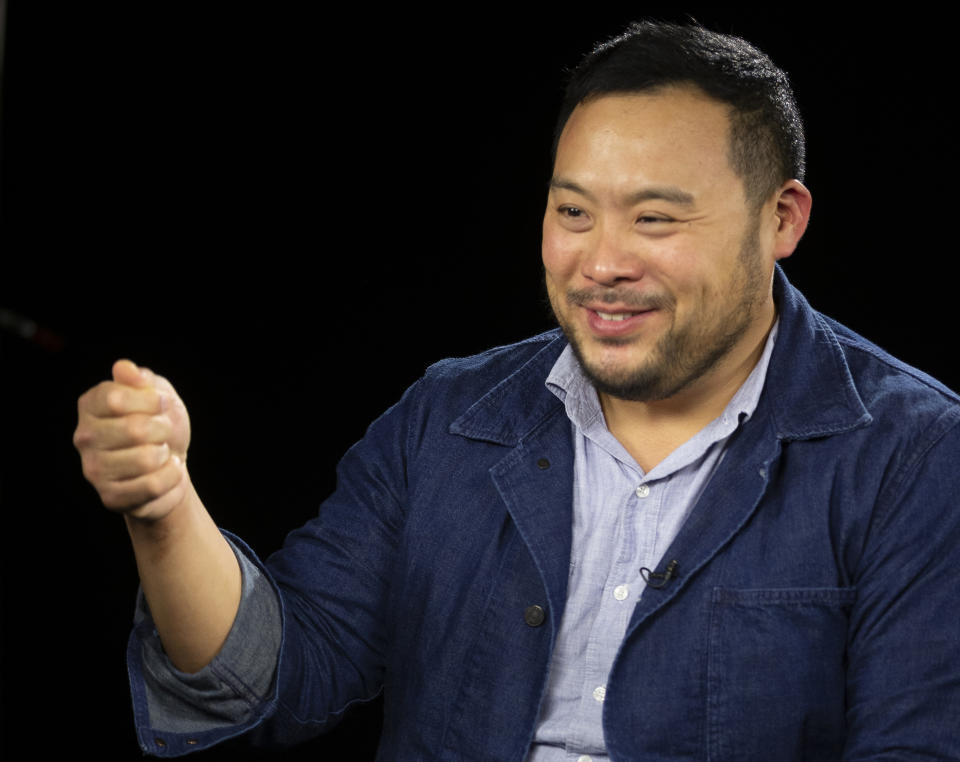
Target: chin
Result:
[[634, 387], [635, 379]]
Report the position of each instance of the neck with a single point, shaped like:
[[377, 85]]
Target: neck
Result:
[[651, 430]]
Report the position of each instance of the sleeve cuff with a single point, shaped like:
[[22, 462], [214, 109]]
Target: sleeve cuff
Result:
[[176, 712]]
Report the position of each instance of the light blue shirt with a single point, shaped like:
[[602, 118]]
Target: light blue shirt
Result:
[[623, 520]]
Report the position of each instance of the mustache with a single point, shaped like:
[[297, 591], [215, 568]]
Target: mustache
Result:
[[623, 297]]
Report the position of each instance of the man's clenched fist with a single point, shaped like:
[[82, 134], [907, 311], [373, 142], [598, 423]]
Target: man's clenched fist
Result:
[[133, 434]]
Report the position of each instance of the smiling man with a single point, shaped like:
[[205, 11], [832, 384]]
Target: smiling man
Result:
[[701, 522], [659, 268]]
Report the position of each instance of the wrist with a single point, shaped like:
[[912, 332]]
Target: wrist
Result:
[[164, 519]]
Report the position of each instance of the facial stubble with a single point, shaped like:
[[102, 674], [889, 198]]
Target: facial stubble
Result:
[[683, 354]]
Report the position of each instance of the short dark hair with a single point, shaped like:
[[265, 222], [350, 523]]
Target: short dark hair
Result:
[[766, 132]]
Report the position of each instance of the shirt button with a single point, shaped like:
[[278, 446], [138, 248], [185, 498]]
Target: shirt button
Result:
[[534, 615], [600, 692], [620, 592], [643, 490]]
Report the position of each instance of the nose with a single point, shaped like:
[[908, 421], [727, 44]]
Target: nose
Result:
[[612, 257]]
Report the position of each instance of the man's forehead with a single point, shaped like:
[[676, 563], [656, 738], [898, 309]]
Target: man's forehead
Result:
[[671, 136]]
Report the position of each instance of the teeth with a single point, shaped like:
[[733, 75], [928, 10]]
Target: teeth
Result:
[[613, 316]]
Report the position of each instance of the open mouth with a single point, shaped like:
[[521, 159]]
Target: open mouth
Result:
[[616, 323], [618, 316]]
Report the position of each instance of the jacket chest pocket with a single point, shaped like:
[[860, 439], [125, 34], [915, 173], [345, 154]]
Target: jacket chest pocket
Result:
[[776, 673]]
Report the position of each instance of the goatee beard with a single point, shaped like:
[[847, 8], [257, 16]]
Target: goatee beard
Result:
[[683, 354]]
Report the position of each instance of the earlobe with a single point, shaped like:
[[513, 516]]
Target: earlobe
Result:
[[793, 214]]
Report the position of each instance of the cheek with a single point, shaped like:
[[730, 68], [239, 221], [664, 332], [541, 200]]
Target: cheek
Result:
[[559, 256]]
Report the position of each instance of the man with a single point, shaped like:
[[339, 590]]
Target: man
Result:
[[715, 524]]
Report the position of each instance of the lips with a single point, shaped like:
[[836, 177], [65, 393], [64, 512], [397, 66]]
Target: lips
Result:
[[616, 324], [615, 316], [617, 313]]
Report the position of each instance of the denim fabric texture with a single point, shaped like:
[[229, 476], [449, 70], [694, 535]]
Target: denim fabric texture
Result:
[[193, 710], [812, 614]]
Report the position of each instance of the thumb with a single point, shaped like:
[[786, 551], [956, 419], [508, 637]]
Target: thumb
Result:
[[127, 373]]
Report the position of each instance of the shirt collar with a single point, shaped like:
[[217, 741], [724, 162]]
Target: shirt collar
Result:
[[567, 381]]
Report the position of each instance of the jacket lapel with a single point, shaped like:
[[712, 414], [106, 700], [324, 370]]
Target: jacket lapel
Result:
[[535, 483], [534, 478], [809, 392], [727, 503]]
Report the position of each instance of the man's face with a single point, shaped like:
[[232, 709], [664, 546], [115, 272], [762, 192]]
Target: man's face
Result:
[[657, 269]]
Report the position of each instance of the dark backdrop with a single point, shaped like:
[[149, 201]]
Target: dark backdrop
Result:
[[290, 213]]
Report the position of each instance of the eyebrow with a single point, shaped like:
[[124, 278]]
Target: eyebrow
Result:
[[654, 193]]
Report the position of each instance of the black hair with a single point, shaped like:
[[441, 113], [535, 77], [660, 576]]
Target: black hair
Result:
[[766, 132]]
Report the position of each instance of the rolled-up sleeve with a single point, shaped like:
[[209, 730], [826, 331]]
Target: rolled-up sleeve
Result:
[[176, 712]]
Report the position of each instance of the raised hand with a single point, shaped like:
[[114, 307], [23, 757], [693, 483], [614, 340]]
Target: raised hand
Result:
[[132, 434]]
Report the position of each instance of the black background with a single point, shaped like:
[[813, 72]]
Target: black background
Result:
[[291, 212]]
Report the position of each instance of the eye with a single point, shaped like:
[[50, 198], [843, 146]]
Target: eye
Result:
[[650, 219], [573, 218]]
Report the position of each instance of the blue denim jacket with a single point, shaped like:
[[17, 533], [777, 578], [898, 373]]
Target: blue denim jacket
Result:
[[812, 613]]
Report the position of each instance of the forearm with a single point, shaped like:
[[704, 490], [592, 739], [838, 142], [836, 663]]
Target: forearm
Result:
[[190, 578]]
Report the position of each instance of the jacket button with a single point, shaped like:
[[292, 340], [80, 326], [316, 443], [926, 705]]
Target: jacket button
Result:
[[543, 464], [534, 615]]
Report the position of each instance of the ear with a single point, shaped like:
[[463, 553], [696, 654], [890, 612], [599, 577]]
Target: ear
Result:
[[793, 214]]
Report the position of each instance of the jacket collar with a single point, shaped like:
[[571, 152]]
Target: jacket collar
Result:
[[519, 403], [809, 389]]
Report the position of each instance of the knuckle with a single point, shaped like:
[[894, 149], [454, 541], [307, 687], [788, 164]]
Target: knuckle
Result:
[[81, 437], [92, 468], [111, 498], [154, 484], [114, 401]]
